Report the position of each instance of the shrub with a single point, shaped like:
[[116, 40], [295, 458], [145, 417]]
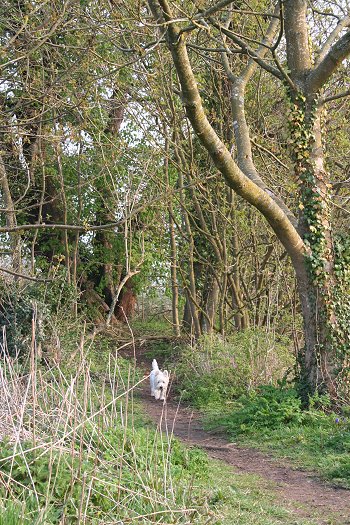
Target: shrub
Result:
[[215, 371], [269, 407], [47, 305], [16, 312]]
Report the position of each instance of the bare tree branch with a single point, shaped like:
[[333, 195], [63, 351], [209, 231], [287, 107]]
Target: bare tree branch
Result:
[[246, 50], [336, 97], [331, 39], [213, 9], [220, 155], [331, 62], [23, 276], [68, 227]]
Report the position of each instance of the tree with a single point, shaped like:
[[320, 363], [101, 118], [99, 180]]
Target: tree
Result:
[[60, 164], [308, 71]]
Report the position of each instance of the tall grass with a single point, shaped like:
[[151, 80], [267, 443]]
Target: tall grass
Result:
[[214, 371], [72, 451]]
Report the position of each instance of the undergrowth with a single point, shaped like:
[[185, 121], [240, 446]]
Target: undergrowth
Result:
[[227, 381], [272, 419], [76, 449], [215, 371], [72, 451]]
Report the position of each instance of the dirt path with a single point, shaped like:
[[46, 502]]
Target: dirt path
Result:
[[300, 491]]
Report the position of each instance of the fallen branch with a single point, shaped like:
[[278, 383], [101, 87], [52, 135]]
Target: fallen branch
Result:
[[22, 276]]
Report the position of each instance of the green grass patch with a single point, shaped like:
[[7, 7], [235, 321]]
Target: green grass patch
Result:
[[272, 419], [245, 499], [241, 385], [151, 326], [119, 474]]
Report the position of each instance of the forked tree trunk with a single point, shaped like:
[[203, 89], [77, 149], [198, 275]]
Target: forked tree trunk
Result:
[[317, 279], [310, 246]]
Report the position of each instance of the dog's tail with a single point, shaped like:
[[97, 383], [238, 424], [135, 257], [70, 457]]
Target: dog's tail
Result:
[[155, 365]]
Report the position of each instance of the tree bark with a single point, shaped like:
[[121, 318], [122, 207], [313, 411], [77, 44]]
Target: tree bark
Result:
[[10, 216], [220, 155], [317, 280], [303, 87], [211, 296]]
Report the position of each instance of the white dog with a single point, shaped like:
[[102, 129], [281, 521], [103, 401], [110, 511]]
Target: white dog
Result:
[[159, 380]]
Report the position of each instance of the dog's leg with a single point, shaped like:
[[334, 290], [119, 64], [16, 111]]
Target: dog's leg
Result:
[[151, 380], [165, 387]]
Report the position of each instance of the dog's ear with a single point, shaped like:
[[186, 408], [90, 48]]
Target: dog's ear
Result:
[[156, 372], [166, 373]]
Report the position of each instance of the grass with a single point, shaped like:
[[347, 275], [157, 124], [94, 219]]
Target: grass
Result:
[[152, 327], [76, 448], [238, 499], [272, 420], [324, 448], [220, 378], [74, 451]]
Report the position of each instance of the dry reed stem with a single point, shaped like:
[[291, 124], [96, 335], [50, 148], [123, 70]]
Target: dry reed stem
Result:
[[48, 412]]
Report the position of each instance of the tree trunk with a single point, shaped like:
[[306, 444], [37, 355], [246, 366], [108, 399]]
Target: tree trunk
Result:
[[126, 305], [211, 305], [173, 245], [310, 246], [316, 278], [173, 274], [241, 315], [106, 278], [317, 371], [10, 216]]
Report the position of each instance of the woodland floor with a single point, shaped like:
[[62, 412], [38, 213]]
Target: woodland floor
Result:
[[300, 491]]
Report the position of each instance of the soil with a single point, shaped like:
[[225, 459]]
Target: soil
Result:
[[301, 491]]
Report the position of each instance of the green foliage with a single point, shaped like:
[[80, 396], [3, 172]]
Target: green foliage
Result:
[[26, 513], [214, 372], [314, 202], [271, 416], [272, 419], [144, 452], [11, 515], [36, 472], [341, 305], [152, 326], [16, 313], [55, 478], [269, 407], [41, 303]]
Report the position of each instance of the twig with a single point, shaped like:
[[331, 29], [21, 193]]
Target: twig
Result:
[[28, 277]]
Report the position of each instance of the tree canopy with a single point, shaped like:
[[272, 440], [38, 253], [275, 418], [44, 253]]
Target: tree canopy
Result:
[[196, 149]]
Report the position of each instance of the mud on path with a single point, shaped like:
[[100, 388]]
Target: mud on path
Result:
[[300, 491]]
